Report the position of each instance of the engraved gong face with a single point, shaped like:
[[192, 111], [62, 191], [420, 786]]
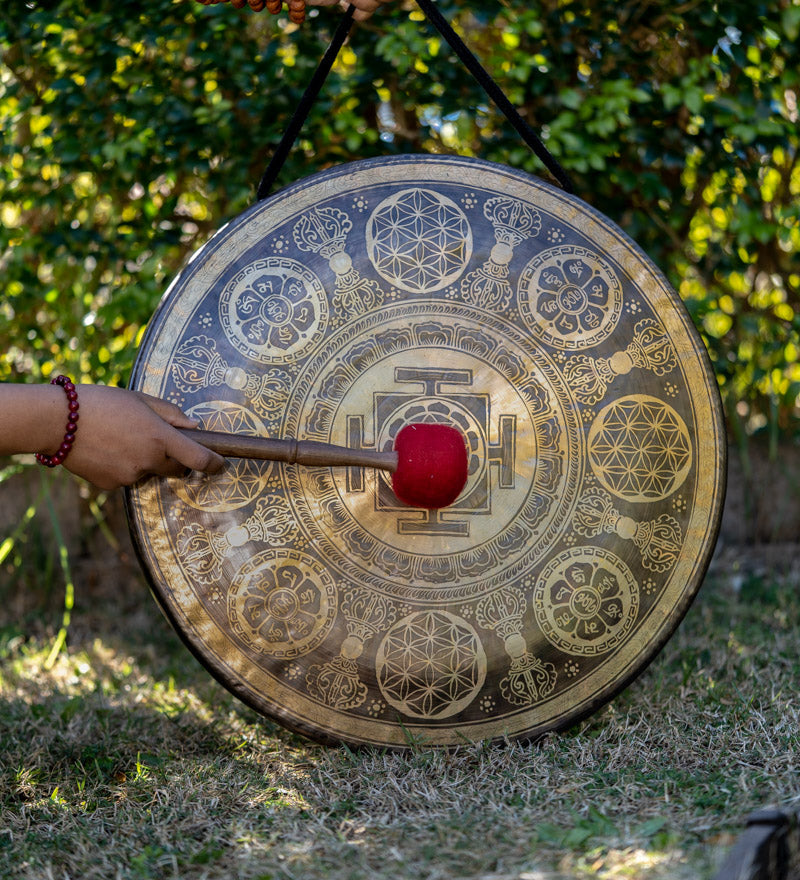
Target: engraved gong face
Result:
[[449, 291]]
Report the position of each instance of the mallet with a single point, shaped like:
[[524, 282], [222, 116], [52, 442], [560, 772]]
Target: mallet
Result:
[[428, 464]]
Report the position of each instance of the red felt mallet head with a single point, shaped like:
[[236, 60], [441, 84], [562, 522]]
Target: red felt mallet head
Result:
[[428, 463], [431, 465]]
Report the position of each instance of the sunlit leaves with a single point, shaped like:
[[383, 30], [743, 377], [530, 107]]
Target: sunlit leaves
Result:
[[129, 133]]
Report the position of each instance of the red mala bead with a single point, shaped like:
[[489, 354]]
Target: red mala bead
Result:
[[72, 425], [297, 11]]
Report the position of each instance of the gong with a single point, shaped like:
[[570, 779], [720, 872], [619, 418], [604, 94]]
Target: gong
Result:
[[443, 290]]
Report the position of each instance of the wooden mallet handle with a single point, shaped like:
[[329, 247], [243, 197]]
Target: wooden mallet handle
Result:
[[307, 452]]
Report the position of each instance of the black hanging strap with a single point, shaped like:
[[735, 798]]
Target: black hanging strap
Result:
[[497, 95], [304, 107], [466, 57]]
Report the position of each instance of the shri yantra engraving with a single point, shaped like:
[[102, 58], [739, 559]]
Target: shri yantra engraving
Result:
[[448, 291], [524, 441]]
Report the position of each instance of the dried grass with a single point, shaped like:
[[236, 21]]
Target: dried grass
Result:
[[125, 760]]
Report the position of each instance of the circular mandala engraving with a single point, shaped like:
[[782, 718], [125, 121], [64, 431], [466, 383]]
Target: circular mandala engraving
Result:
[[404, 364], [243, 480], [273, 310], [570, 297], [640, 448], [586, 601], [419, 240], [430, 665], [439, 290], [281, 603]]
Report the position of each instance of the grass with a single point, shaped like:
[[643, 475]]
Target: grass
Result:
[[125, 760]]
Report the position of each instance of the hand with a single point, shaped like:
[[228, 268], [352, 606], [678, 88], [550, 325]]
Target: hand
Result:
[[124, 435], [364, 8]]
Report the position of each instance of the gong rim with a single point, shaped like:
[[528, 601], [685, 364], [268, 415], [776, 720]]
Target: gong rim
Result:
[[569, 704]]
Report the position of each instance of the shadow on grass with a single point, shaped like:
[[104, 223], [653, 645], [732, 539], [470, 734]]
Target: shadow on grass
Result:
[[128, 760], [132, 790]]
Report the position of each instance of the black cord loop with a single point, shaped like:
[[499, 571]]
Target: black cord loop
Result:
[[304, 107], [492, 89], [496, 94]]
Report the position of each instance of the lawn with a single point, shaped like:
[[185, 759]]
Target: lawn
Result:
[[121, 758]]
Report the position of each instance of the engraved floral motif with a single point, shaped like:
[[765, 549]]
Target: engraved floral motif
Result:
[[586, 601], [273, 309], [242, 480], [419, 240], [430, 665], [639, 448], [570, 297]]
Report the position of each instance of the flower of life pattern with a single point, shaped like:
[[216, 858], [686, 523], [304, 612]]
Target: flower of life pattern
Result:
[[419, 240], [242, 480], [639, 448], [431, 665]]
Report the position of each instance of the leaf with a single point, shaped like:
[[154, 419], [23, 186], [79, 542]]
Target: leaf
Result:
[[651, 827]]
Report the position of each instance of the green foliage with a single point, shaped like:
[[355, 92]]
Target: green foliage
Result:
[[594, 826], [130, 133]]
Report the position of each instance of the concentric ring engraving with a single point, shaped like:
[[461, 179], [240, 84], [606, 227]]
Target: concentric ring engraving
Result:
[[273, 309], [571, 297], [281, 603], [586, 601]]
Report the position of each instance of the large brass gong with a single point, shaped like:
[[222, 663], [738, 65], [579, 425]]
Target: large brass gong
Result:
[[447, 290]]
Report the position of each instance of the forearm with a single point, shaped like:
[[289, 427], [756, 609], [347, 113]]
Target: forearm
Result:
[[33, 418], [120, 436]]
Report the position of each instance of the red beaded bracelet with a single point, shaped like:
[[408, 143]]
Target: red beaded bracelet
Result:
[[297, 8], [72, 425]]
